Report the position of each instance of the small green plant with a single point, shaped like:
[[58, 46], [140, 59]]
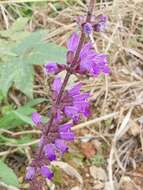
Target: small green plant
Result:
[[98, 160]]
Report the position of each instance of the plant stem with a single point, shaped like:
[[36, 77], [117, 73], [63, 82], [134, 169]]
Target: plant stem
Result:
[[68, 74]]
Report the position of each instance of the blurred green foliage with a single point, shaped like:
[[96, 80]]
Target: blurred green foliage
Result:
[[7, 175], [19, 51], [98, 160]]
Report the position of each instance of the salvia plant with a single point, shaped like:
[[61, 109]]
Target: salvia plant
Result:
[[69, 103]]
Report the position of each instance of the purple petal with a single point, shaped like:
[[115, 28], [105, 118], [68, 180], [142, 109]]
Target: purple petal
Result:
[[51, 67], [81, 97], [103, 18], [58, 116], [87, 62], [76, 118], [61, 145], [36, 118], [106, 70], [73, 42], [71, 111], [75, 90], [65, 127], [46, 172], [88, 29], [68, 136], [101, 25], [86, 112], [101, 58], [81, 106], [85, 65], [86, 50], [50, 152], [30, 173], [95, 70], [57, 85], [41, 141]]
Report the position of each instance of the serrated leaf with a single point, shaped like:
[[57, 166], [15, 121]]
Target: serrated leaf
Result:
[[19, 24], [24, 77], [48, 52], [18, 72], [7, 175], [37, 51], [19, 69]]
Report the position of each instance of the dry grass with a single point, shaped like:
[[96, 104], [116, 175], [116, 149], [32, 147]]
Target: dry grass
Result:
[[117, 100]]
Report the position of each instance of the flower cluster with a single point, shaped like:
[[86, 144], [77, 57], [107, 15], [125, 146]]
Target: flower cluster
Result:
[[71, 104], [97, 23], [88, 63]]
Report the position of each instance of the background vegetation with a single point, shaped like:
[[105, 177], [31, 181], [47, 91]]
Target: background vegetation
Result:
[[109, 146]]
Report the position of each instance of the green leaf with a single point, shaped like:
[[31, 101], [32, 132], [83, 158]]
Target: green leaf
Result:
[[7, 140], [11, 120], [19, 116], [37, 51], [16, 29], [1, 97], [19, 69], [98, 160], [48, 52], [24, 118], [19, 24], [36, 101], [19, 72], [7, 175], [57, 175], [25, 139], [12, 141]]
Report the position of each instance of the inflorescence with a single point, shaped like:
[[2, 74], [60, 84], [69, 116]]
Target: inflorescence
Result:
[[71, 104]]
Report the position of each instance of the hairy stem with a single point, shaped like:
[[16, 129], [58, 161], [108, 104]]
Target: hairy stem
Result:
[[68, 74]]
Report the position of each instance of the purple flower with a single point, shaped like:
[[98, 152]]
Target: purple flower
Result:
[[71, 112], [88, 29], [66, 133], [91, 62], [30, 173], [57, 85], [60, 145], [98, 23], [75, 90], [50, 67], [46, 172], [73, 42], [36, 118], [66, 103], [50, 152], [65, 127], [74, 103], [79, 103], [58, 116], [102, 22], [86, 50], [53, 67], [68, 136]]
